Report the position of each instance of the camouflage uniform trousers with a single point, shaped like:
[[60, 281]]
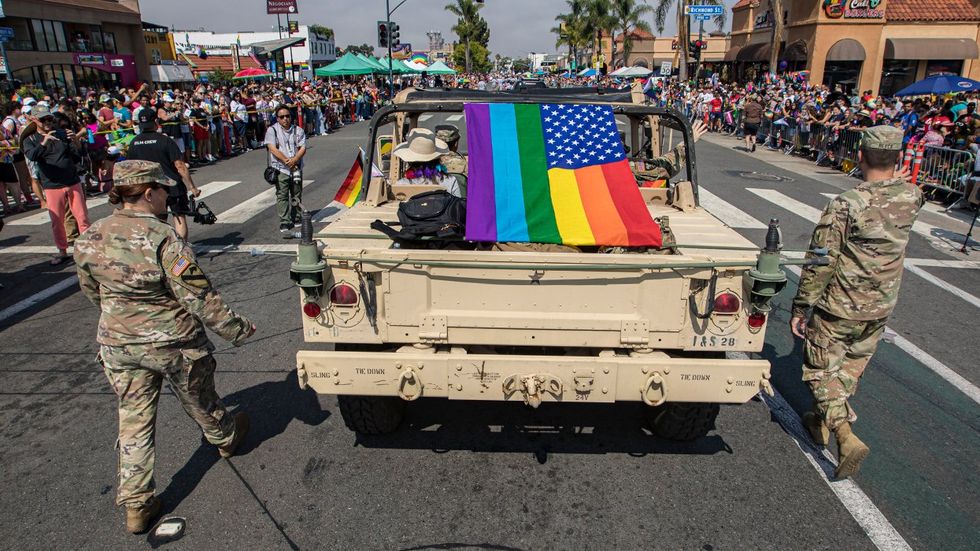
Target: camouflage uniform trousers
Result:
[[836, 352], [136, 373]]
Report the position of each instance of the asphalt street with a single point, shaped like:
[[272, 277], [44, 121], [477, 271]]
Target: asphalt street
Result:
[[461, 475]]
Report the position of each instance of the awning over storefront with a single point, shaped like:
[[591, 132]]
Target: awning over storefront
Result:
[[732, 53], [171, 73], [268, 46], [796, 51], [754, 52], [846, 49], [931, 48]]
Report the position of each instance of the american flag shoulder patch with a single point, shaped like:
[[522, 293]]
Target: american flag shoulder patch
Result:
[[180, 266]]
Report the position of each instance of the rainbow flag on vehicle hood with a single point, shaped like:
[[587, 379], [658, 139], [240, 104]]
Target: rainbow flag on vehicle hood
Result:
[[552, 174]]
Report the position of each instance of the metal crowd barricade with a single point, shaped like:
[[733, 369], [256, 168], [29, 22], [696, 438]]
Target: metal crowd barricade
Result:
[[848, 144], [820, 138], [946, 170], [765, 130]]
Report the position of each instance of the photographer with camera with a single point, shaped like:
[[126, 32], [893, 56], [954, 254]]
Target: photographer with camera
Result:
[[287, 145], [151, 145], [57, 154]]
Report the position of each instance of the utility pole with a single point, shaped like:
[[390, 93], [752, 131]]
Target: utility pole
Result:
[[391, 78], [292, 66], [697, 66]]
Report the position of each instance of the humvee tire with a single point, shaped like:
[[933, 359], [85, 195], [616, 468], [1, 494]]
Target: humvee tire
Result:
[[683, 421], [371, 414]]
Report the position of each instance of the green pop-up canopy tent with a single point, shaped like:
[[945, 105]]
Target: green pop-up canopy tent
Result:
[[440, 68], [396, 66], [349, 64], [373, 62]]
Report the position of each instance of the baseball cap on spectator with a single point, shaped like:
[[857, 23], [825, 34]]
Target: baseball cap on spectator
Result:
[[29, 101], [147, 119], [41, 111]]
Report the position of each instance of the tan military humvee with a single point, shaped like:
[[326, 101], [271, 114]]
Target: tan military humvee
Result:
[[386, 325]]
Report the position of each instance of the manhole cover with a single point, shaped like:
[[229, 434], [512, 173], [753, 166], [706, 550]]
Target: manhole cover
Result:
[[764, 176]]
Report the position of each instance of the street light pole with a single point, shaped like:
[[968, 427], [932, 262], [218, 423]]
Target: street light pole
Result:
[[391, 79]]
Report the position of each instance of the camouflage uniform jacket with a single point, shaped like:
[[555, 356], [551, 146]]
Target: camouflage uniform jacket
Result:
[[454, 163], [865, 231], [668, 165], [146, 281]]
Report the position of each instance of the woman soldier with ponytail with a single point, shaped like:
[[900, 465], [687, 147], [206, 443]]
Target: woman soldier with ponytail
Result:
[[155, 303]]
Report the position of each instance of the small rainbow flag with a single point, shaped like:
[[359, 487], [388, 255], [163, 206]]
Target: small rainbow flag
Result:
[[552, 174], [350, 190]]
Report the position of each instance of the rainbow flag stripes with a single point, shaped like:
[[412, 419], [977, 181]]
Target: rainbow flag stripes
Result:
[[350, 189], [552, 174]]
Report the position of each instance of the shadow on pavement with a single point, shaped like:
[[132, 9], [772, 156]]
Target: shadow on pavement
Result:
[[444, 425], [271, 407]]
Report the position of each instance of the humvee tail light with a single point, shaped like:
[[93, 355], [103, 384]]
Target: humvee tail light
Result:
[[757, 320], [343, 294], [727, 303], [311, 309]]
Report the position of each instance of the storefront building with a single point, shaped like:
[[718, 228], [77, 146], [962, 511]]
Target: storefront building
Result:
[[652, 52], [877, 45], [67, 45]]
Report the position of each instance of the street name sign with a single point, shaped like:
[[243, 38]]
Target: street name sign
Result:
[[703, 10]]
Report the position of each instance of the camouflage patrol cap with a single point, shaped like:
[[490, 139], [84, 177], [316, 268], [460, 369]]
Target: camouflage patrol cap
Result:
[[131, 173], [884, 137], [447, 132]]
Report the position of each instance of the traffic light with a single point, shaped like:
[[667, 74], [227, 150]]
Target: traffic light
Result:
[[383, 34], [393, 34]]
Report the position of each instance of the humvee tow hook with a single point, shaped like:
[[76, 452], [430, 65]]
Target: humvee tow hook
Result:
[[531, 387]]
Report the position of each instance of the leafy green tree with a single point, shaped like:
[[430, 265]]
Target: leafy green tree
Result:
[[468, 27], [479, 57], [629, 16], [521, 65], [599, 22], [325, 32], [365, 49]]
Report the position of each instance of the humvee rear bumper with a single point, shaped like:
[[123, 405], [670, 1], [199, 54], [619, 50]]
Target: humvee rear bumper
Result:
[[652, 377]]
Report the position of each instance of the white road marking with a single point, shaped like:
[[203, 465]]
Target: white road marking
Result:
[[42, 218], [19, 307], [942, 263], [874, 523], [942, 284], [727, 212], [211, 188], [425, 117], [934, 365], [788, 203], [454, 117], [932, 233], [250, 207]]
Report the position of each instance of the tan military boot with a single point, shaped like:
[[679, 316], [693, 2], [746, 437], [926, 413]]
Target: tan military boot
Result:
[[241, 429], [139, 520], [852, 452], [817, 428]]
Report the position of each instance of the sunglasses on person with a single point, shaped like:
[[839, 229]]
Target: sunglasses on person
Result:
[[287, 116]]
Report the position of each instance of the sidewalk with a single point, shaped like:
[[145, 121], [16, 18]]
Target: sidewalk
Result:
[[950, 228]]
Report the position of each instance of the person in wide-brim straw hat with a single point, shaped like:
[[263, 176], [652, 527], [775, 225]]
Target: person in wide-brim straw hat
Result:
[[421, 152]]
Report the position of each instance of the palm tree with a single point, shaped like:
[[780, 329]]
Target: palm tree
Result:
[[660, 13], [777, 32], [572, 31], [599, 21], [467, 24], [629, 16]]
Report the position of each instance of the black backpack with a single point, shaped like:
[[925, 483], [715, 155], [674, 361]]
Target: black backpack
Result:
[[430, 216]]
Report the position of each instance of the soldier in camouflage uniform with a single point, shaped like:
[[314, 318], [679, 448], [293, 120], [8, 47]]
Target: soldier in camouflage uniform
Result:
[[155, 304], [865, 231], [454, 162], [668, 165]]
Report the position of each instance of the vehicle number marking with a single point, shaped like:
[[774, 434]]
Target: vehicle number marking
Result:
[[582, 395], [710, 341]]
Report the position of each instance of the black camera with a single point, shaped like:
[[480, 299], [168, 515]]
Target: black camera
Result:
[[199, 209]]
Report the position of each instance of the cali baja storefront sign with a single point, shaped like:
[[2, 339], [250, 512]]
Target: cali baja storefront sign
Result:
[[853, 9]]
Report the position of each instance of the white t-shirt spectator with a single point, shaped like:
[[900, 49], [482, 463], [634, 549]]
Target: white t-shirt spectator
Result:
[[287, 141]]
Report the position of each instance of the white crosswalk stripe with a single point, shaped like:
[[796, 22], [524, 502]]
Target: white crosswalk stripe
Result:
[[41, 218], [796, 207], [454, 117], [250, 207], [731, 215], [425, 117]]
